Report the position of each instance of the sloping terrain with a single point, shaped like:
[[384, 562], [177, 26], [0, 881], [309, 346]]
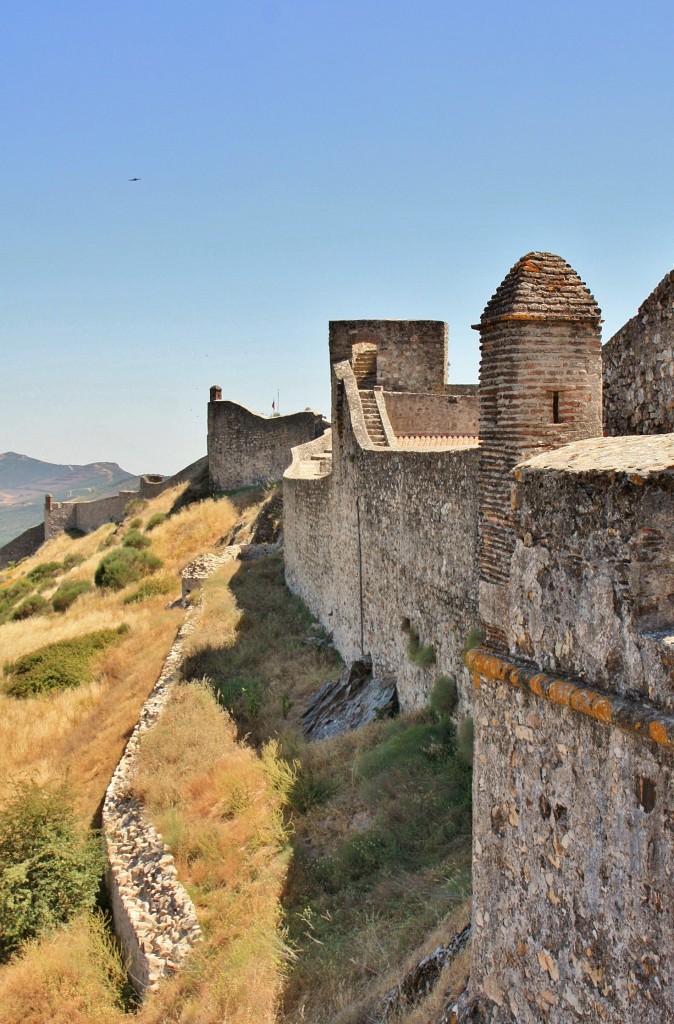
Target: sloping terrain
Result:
[[25, 481], [320, 872]]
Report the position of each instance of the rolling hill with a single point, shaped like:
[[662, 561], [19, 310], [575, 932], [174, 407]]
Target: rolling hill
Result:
[[25, 481]]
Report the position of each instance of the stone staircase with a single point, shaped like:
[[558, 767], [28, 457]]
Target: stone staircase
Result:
[[365, 368], [375, 427]]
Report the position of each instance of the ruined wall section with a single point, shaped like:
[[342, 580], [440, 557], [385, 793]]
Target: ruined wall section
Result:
[[245, 449], [639, 368]]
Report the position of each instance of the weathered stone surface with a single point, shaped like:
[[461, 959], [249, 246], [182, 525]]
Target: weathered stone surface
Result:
[[639, 368], [376, 537], [245, 449], [574, 693], [354, 699], [153, 916]]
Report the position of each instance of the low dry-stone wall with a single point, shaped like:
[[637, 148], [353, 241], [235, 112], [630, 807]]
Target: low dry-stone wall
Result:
[[154, 917]]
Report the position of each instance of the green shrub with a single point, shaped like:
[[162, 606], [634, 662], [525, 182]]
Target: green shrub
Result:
[[474, 639], [70, 561], [44, 572], [33, 605], [444, 696], [50, 868], [422, 655], [465, 740], [68, 593], [134, 505], [123, 566], [136, 524], [11, 594], [156, 520], [151, 588], [59, 666], [310, 789], [135, 539]]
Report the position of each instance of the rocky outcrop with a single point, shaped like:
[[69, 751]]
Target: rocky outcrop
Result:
[[354, 699]]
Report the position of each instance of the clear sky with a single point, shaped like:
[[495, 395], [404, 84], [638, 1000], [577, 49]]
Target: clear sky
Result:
[[300, 161]]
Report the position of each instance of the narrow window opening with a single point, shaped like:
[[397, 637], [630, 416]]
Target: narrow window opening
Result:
[[646, 794], [555, 407]]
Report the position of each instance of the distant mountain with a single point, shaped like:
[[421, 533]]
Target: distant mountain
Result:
[[25, 481]]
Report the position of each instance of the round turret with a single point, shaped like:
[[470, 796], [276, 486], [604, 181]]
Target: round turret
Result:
[[540, 388]]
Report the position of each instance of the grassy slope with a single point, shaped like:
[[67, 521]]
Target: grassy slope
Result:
[[316, 870]]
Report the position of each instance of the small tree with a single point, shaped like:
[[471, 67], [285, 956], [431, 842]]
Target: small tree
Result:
[[50, 868]]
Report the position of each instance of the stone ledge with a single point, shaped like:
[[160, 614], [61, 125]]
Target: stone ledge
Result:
[[640, 718]]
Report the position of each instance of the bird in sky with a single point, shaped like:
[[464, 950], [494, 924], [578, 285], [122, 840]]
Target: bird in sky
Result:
[[134, 179]]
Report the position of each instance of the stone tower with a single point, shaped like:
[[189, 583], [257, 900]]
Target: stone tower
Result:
[[540, 388]]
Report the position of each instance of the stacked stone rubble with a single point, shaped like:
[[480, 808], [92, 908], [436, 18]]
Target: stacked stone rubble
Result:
[[153, 916]]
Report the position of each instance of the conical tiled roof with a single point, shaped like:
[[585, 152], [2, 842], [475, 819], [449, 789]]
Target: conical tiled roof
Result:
[[541, 286]]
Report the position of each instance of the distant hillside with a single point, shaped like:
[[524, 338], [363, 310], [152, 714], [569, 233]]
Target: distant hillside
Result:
[[25, 481]]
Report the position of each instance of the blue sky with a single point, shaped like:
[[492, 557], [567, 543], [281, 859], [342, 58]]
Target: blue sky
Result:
[[300, 161]]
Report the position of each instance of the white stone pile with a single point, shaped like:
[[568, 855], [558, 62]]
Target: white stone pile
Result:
[[154, 917], [201, 567]]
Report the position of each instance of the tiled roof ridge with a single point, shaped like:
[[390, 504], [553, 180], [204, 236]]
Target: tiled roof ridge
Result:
[[541, 286]]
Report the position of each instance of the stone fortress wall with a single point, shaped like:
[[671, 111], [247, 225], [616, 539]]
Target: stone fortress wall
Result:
[[639, 367], [380, 529], [245, 449], [557, 541], [87, 516]]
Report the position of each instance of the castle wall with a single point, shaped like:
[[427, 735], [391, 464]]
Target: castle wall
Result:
[[245, 449], [23, 546], [573, 858], [639, 367], [386, 539], [411, 354], [449, 414], [573, 864], [592, 574]]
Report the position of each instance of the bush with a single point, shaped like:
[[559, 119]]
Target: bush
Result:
[[123, 566], [49, 868], [134, 505], [422, 655], [68, 593], [474, 639], [44, 572], [10, 595], [156, 520], [444, 696], [151, 588], [59, 666], [70, 561], [136, 524], [34, 605], [135, 539]]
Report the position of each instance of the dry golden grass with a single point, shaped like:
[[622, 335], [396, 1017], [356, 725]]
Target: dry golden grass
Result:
[[82, 732], [71, 977], [219, 806]]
